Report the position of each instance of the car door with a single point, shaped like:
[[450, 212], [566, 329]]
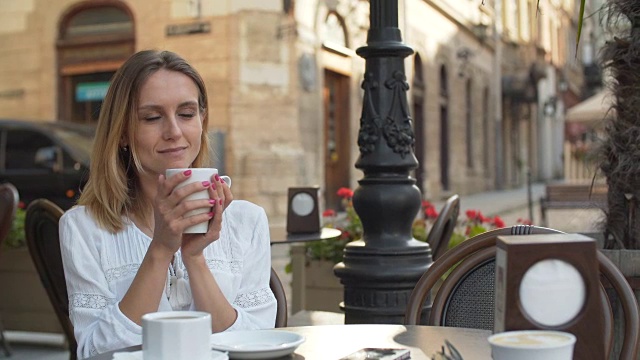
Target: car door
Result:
[[33, 180]]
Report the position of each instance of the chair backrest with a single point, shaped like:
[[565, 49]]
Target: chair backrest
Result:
[[466, 297], [8, 205], [278, 290], [41, 229], [440, 233], [626, 295], [481, 292]]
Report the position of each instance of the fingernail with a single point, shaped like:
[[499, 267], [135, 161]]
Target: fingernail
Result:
[[220, 202], [217, 177], [212, 201], [206, 183], [187, 172], [210, 214], [213, 185]]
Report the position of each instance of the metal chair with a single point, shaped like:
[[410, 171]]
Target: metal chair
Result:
[[8, 205], [440, 233], [41, 228], [278, 290], [466, 296]]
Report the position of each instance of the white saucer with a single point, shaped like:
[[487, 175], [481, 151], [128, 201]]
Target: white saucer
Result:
[[137, 355], [256, 344]]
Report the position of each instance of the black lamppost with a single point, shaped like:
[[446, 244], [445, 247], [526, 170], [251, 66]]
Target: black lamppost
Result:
[[380, 270]]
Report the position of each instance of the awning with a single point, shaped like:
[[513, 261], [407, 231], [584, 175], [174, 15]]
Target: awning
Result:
[[591, 110]]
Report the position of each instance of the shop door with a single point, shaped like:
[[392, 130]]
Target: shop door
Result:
[[337, 138]]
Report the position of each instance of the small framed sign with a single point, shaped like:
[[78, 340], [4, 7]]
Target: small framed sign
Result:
[[303, 210], [551, 282]]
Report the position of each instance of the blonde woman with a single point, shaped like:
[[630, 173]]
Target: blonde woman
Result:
[[123, 250]]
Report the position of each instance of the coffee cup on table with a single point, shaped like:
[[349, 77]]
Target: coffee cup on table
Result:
[[176, 335], [532, 345], [197, 175]]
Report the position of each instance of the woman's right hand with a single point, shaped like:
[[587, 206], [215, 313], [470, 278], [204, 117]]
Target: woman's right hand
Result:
[[170, 207]]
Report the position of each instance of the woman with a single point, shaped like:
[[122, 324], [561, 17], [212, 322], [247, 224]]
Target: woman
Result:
[[123, 250]]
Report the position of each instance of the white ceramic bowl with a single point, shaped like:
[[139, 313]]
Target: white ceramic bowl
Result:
[[532, 345]]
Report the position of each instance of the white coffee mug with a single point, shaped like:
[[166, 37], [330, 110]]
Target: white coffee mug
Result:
[[176, 335], [532, 345], [197, 175]]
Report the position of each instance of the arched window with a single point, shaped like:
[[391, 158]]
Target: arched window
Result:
[[95, 38], [418, 91], [335, 32], [485, 132], [444, 128], [469, 123]]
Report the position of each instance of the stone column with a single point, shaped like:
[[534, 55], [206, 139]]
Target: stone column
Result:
[[380, 270]]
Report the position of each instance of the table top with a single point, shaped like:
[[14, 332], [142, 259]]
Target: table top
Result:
[[332, 342], [324, 234]]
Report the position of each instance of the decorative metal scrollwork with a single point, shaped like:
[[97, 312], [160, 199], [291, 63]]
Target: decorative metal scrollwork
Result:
[[369, 120], [396, 129]]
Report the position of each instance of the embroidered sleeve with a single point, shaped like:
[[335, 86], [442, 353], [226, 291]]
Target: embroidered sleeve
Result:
[[255, 303], [99, 325], [254, 299]]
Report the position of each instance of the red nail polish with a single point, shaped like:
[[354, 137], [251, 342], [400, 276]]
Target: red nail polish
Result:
[[213, 185], [217, 177], [211, 214], [220, 201], [212, 201], [206, 183], [187, 172]]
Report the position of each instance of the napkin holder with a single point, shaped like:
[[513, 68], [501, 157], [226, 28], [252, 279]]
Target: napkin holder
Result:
[[516, 254]]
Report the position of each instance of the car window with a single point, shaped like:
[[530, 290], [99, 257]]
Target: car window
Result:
[[79, 143], [21, 148]]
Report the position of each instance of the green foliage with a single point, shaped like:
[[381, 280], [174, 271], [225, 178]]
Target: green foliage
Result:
[[16, 237], [349, 222]]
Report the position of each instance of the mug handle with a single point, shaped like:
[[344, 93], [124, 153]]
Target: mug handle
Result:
[[226, 179]]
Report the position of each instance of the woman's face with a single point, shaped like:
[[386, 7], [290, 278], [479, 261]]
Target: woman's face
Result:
[[169, 122]]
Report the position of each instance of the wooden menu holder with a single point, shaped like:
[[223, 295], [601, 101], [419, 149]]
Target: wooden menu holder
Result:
[[516, 254]]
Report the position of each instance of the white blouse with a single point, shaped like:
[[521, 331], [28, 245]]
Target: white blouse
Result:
[[100, 266]]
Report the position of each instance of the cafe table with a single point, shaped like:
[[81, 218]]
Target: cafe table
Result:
[[332, 342], [278, 237]]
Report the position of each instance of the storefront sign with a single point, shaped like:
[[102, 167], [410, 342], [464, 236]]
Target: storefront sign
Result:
[[91, 91], [188, 29]]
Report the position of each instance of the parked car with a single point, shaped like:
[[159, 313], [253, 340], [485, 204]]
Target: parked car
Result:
[[45, 159]]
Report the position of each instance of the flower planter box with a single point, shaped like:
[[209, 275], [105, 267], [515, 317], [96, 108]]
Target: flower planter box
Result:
[[24, 304], [314, 285]]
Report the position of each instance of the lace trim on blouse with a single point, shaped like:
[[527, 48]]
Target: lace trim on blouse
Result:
[[254, 298], [89, 301], [233, 266], [121, 271], [92, 348]]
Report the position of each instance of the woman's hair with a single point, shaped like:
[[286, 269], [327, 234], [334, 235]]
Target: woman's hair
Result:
[[113, 189]]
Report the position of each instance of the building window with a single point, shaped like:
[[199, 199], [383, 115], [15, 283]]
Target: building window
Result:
[[485, 133], [95, 39], [469, 123]]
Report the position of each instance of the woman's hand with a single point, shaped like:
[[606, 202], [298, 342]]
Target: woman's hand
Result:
[[171, 206], [221, 197]]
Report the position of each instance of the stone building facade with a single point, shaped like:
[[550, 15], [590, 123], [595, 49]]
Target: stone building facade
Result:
[[283, 79]]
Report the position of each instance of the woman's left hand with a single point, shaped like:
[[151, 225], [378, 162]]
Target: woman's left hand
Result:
[[194, 244]]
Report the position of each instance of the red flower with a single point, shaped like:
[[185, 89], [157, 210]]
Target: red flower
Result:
[[498, 222], [471, 214], [329, 213], [430, 213], [525, 221], [345, 193], [426, 204], [21, 205]]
